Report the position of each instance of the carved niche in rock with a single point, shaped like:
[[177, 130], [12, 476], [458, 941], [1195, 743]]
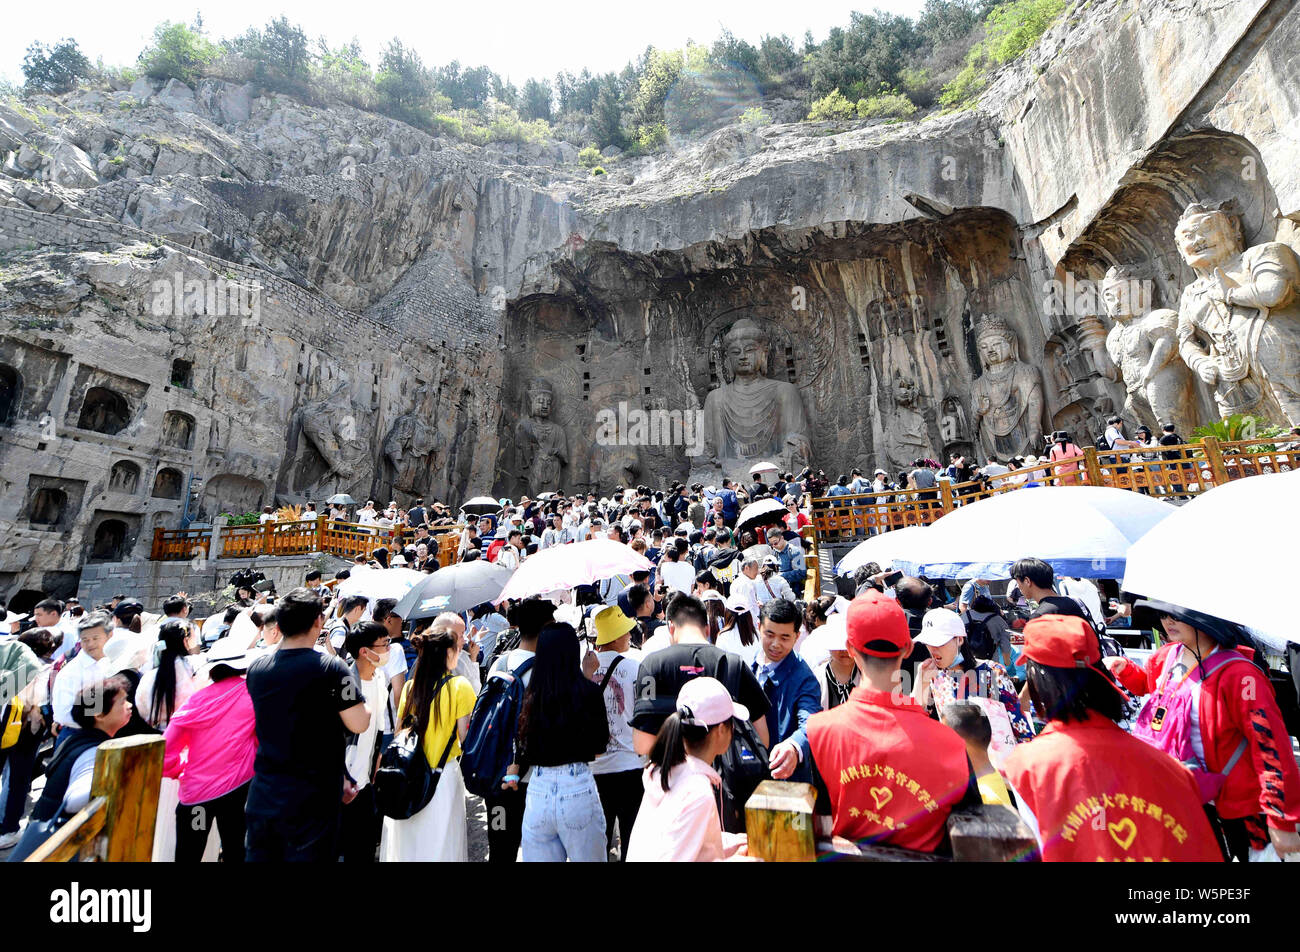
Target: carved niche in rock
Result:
[[1239, 321], [541, 442], [751, 416], [1008, 395], [1143, 350], [954, 429], [411, 448], [124, 477], [232, 493]]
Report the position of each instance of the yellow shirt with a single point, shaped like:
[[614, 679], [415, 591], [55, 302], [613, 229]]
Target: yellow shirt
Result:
[[992, 787], [453, 701]]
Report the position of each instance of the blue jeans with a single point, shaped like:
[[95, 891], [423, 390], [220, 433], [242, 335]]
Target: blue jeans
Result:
[[563, 818]]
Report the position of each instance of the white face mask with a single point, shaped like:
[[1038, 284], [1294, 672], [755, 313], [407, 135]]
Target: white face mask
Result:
[[381, 658]]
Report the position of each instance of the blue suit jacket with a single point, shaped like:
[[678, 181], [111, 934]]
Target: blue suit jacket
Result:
[[795, 696]]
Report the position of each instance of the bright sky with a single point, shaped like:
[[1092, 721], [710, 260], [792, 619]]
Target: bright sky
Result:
[[516, 38]]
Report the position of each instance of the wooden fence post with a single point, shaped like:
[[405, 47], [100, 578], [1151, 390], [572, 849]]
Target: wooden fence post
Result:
[[779, 822], [156, 552], [128, 773], [268, 537], [1092, 466], [990, 833], [1214, 454], [320, 534], [945, 494]]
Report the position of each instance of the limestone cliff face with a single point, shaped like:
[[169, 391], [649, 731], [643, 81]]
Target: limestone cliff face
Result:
[[400, 291]]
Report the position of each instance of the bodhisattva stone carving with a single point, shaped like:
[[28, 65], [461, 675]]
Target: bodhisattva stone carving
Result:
[[1239, 321], [1143, 349], [751, 417], [542, 443], [1008, 395], [907, 438], [410, 447], [335, 427]]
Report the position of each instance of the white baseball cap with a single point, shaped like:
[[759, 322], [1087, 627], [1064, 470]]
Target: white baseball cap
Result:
[[737, 605], [704, 702], [940, 626]]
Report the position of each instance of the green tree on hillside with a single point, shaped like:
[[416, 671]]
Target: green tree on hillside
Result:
[[178, 52], [55, 69]]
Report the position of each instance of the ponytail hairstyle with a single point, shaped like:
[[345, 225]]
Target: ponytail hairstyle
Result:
[[743, 622], [670, 746], [435, 649], [172, 635]]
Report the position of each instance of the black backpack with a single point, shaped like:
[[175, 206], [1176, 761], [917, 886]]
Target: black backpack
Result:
[[978, 637], [1103, 444], [489, 746], [404, 784], [743, 765]]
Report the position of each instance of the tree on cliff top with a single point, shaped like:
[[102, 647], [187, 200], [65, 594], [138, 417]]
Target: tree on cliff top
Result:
[[55, 69], [178, 52]]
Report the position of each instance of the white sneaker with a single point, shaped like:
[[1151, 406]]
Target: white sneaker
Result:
[[9, 840]]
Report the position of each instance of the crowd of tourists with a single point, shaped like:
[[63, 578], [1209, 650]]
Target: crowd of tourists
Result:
[[631, 718]]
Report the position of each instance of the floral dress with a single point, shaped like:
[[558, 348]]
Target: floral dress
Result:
[[988, 679]]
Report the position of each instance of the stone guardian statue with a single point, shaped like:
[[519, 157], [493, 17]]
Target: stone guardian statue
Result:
[[1239, 321]]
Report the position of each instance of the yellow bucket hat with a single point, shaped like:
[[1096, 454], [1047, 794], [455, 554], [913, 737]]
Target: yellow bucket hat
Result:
[[611, 624]]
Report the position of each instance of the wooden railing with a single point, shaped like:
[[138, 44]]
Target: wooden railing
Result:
[[1185, 470], [117, 825], [344, 539]]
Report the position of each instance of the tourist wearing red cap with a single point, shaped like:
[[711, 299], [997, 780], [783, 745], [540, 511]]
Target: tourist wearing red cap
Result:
[[1214, 709], [893, 774], [1087, 789]]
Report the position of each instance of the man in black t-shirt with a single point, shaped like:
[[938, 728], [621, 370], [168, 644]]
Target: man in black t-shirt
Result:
[[305, 703], [663, 673], [1169, 437], [1037, 582]]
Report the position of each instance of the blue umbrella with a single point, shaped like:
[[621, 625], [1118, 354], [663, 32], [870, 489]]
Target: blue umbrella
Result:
[[1080, 531]]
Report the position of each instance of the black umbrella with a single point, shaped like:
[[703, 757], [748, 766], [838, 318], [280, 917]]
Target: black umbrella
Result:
[[481, 506], [456, 588]]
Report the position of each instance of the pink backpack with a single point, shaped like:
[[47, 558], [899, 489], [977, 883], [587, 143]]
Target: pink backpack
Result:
[[1165, 722]]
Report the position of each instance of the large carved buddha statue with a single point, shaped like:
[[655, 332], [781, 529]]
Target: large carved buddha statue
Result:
[[1008, 395], [1239, 321], [751, 416]]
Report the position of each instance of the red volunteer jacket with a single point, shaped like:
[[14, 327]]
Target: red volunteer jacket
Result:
[[1099, 793], [893, 773], [1237, 700]]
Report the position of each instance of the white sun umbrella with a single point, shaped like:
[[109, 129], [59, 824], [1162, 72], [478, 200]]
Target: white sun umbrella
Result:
[[763, 468], [1081, 531], [881, 549], [1242, 531], [563, 567], [375, 584]]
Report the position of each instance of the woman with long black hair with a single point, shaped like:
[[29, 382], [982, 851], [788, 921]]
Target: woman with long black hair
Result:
[[738, 634], [165, 688], [436, 704], [562, 729]]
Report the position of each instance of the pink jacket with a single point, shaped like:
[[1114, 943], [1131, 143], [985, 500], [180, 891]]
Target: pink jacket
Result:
[[215, 726], [681, 825]]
